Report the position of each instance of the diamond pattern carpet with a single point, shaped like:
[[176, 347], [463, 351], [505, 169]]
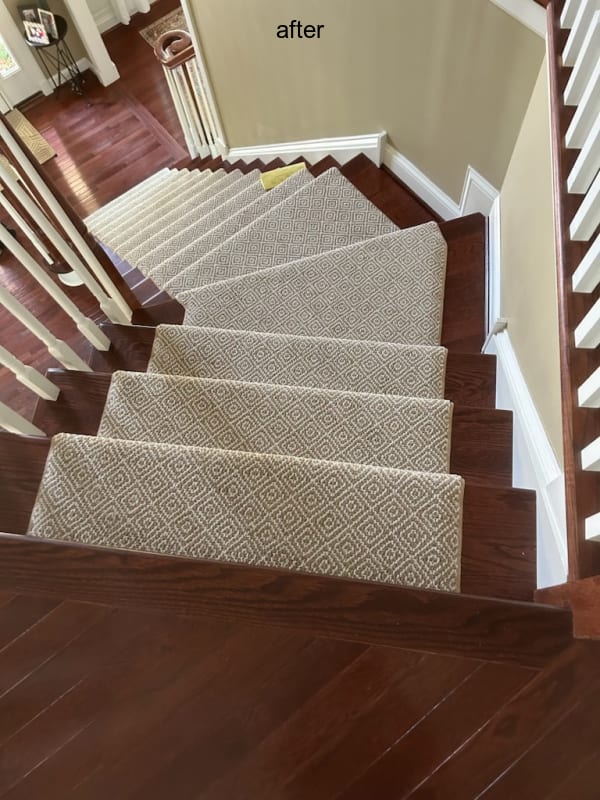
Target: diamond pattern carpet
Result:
[[377, 367], [325, 517], [390, 289], [296, 420], [383, 430]]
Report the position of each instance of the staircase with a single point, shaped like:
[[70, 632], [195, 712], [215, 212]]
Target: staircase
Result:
[[313, 400]]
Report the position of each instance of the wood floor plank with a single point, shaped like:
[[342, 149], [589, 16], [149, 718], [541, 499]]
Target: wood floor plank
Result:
[[502, 740], [20, 614], [422, 748], [44, 639]]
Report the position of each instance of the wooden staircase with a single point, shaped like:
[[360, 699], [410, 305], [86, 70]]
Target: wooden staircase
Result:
[[499, 552]]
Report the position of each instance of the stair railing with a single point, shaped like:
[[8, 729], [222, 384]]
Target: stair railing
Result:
[[48, 213], [176, 53], [574, 53]]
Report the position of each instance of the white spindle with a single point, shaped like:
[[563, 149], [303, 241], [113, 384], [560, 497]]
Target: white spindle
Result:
[[588, 394], [191, 113], [580, 27], [58, 349], [181, 115], [84, 325], [587, 112], [587, 333], [15, 423], [587, 163], [569, 12], [590, 456], [28, 376], [585, 64], [203, 101], [114, 306], [69, 255], [25, 227], [592, 528], [587, 275], [587, 218]]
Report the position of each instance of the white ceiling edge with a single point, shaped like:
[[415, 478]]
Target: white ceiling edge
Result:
[[527, 12]]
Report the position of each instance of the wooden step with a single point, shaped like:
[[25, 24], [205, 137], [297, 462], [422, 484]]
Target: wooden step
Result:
[[499, 524], [414, 619], [322, 166], [470, 377], [481, 438]]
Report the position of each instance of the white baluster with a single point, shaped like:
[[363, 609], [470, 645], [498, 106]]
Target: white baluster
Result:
[[24, 226], [587, 218], [590, 456], [587, 164], [584, 66], [587, 275], [29, 376], [592, 528], [202, 100], [15, 423], [58, 349], [84, 325], [190, 112], [114, 306], [588, 393], [181, 115]]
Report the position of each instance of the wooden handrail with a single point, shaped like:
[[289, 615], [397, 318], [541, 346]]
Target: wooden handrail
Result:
[[580, 425], [174, 48]]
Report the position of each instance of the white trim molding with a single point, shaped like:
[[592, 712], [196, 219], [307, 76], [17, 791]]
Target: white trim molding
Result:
[[478, 194], [527, 12], [534, 463], [343, 149]]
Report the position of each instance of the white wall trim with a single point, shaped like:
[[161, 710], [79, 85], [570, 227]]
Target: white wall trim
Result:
[[527, 12], [478, 194], [494, 265], [534, 463], [421, 185], [343, 149]]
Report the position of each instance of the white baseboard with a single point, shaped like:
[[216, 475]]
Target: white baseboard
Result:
[[528, 12], [534, 463], [342, 148], [478, 194]]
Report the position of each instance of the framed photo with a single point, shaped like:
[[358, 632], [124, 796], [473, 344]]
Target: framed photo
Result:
[[36, 33], [48, 21], [28, 14]]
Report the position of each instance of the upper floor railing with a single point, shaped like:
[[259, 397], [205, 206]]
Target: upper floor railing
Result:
[[190, 92], [574, 53]]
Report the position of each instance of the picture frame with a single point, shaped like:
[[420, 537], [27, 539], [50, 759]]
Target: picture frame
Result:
[[48, 20], [28, 14], [36, 33]]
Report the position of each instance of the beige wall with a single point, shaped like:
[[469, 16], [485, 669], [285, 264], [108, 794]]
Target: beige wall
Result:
[[58, 7], [448, 79], [529, 298]]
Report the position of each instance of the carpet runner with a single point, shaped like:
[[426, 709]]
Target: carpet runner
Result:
[[296, 420], [382, 430], [332, 518]]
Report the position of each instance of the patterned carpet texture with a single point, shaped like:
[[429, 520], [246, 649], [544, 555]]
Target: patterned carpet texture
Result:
[[297, 419]]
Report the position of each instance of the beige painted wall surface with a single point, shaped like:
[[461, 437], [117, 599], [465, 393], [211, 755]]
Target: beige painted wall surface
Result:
[[57, 7], [529, 298], [448, 79]]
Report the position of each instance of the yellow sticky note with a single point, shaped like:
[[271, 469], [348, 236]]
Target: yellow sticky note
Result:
[[274, 177]]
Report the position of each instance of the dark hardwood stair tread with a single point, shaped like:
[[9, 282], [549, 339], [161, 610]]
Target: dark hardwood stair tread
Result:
[[481, 438]]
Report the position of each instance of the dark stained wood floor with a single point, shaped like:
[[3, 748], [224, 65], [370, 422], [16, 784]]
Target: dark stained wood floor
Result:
[[100, 702]]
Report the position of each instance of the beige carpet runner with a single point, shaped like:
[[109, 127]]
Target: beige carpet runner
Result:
[[376, 367], [390, 289], [324, 517], [382, 430], [297, 419]]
